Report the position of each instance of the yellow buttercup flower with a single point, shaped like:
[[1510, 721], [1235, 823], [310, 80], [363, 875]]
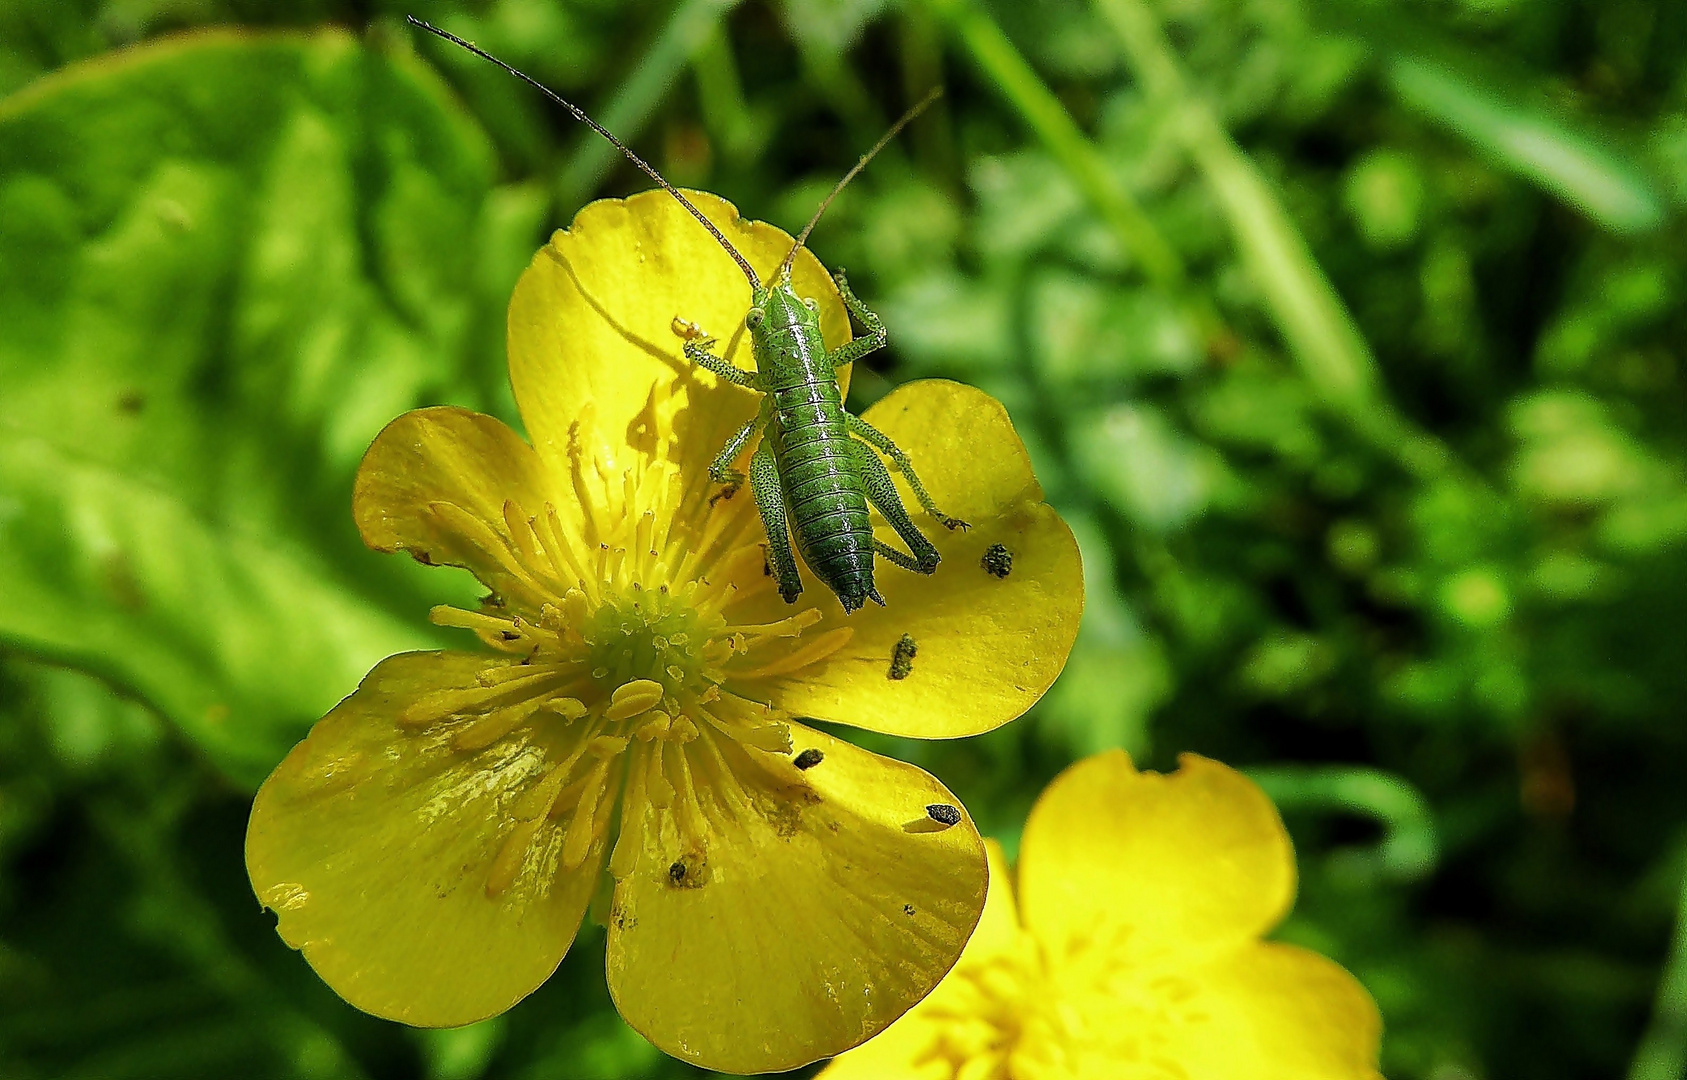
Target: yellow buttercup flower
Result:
[[772, 894], [1133, 951]]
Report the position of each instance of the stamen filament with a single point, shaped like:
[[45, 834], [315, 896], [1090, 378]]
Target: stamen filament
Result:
[[815, 651]]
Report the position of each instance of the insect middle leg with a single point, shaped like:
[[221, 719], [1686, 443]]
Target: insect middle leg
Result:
[[770, 500], [899, 461], [881, 492], [720, 469]]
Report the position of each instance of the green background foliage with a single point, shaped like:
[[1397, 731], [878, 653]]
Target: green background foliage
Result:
[[1345, 334]]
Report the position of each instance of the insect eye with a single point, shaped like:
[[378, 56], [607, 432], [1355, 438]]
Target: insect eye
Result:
[[754, 318], [811, 304]]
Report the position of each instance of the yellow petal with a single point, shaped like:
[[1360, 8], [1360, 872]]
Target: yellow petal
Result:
[[986, 646], [903, 1051], [1142, 864], [591, 325], [434, 483], [1275, 1012], [375, 843], [825, 906]]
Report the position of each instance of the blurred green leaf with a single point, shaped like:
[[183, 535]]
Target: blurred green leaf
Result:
[[225, 262], [1537, 144], [1410, 845], [238, 639]]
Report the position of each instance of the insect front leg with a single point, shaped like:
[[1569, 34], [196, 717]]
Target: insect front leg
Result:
[[697, 344], [873, 340], [770, 500], [720, 469], [881, 492], [899, 461]]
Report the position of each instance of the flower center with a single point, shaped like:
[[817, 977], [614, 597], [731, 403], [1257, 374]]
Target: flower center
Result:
[[647, 635], [616, 700]]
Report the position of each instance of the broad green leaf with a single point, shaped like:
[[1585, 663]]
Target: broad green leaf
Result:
[[226, 260]]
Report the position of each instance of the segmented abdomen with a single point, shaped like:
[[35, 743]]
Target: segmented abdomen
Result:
[[824, 499]]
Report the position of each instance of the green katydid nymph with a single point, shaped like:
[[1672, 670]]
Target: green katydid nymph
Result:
[[817, 468]]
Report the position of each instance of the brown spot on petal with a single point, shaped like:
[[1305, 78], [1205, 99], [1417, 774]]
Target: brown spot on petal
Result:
[[902, 658], [997, 561]]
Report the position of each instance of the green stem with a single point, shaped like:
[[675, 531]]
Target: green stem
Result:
[[636, 99], [1011, 74], [1409, 846], [1662, 1054]]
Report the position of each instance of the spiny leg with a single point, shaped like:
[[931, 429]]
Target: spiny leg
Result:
[[770, 500], [721, 470], [697, 344], [874, 339], [899, 461], [881, 492], [904, 561]]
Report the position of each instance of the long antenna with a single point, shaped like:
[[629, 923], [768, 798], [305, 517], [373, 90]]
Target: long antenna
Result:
[[895, 129], [749, 271]]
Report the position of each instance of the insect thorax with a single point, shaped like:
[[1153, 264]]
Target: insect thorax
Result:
[[786, 339]]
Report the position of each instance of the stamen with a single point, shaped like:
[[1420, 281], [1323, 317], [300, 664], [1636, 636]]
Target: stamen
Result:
[[756, 633], [536, 802], [487, 730], [607, 746], [575, 607], [815, 651], [634, 808], [588, 505], [495, 547], [722, 777], [632, 698], [771, 735], [521, 535], [657, 725], [688, 812], [560, 545], [443, 703], [498, 676], [460, 619], [507, 863], [661, 792], [578, 840]]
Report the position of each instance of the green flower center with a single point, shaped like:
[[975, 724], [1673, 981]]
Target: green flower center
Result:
[[648, 635]]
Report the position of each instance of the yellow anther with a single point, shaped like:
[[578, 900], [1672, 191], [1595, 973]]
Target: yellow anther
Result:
[[632, 698], [578, 838], [658, 725], [566, 707], [536, 801], [507, 863], [774, 738], [657, 787], [607, 745]]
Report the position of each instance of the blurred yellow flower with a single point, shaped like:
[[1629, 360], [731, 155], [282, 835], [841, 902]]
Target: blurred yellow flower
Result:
[[1134, 950], [773, 895]]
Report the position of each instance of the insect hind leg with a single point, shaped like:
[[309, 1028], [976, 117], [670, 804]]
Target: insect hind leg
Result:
[[899, 461], [770, 501], [881, 492]]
